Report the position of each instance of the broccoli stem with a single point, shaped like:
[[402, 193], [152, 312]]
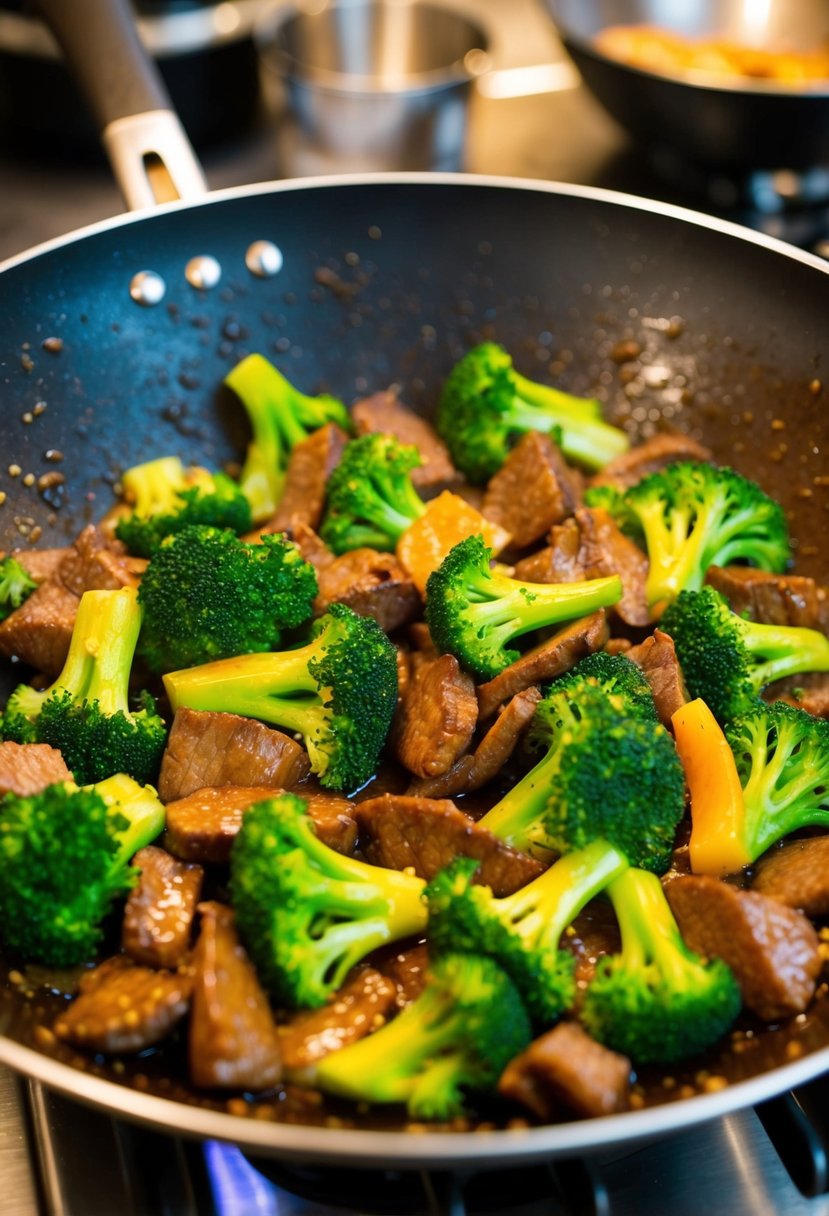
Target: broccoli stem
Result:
[[101, 650], [512, 608], [141, 809], [782, 650], [518, 818], [649, 932], [584, 435]]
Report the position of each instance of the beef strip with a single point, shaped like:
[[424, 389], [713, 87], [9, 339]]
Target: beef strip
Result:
[[565, 1067], [773, 599], [359, 1007], [122, 1007], [797, 874], [475, 770], [809, 691], [203, 825], [532, 490], [400, 831], [372, 584], [383, 412], [28, 768], [649, 457], [212, 749], [97, 562], [159, 913], [772, 950], [605, 550], [544, 662], [312, 547], [560, 562], [436, 718], [406, 969], [660, 667], [311, 463], [233, 1042]]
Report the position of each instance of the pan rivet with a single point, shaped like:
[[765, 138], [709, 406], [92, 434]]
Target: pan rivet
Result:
[[203, 272], [264, 259], [147, 288]]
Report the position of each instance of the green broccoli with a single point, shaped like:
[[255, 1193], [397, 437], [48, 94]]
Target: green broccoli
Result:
[[617, 676], [339, 692], [86, 713], [474, 612], [166, 498], [693, 516], [656, 1001], [15, 585], [207, 595], [486, 406], [281, 417], [727, 660], [64, 857], [370, 497], [457, 1036], [306, 913]]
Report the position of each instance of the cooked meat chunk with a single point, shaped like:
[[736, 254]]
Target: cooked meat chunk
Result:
[[797, 874], [98, 563], [475, 770], [311, 463], [606, 550], [27, 768], [312, 547], [406, 969], [203, 825], [225, 749], [372, 584], [159, 913], [772, 949], [402, 831], [233, 1041], [122, 1007], [545, 661], [383, 412], [649, 457], [437, 716], [560, 562], [532, 490], [565, 1067], [39, 564], [809, 692], [359, 1007], [773, 599], [660, 667]]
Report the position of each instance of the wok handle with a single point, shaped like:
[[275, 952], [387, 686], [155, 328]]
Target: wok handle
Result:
[[150, 154]]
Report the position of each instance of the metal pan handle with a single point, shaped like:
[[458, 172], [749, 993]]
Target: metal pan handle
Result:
[[150, 154]]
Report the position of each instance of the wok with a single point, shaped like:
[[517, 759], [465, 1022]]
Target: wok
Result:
[[738, 125], [385, 279]]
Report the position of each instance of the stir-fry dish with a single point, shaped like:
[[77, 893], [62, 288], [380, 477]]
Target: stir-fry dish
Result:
[[470, 774]]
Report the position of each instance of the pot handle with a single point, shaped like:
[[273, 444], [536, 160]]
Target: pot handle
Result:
[[150, 154]]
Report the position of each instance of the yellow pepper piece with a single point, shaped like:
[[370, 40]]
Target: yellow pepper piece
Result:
[[447, 520]]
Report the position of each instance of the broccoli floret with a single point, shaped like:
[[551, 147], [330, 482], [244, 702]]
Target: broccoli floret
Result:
[[458, 1035], [339, 692], [64, 857], [207, 595], [616, 675], [727, 660], [308, 914], [166, 498], [370, 497], [656, 1001], [605, 775], [281, 417], [693, 516], [474, 612], [522, 931], [15, 585], [486, 406], [86, 713]]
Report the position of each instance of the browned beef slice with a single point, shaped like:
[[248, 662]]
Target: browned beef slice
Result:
[[660, 667], [560, 562], [27, 768], [421, 640], [159, 913], [312, 547], [605, 550], [774, 599], [226, 749], [531, 491], [474, 770], [406, 969], [233, 1041], [545, 661], [809, 692], [772, 949], [649, 457], [372, 584], [97, 562], [383, 412], [566, 1067], [122, 1007], [39, 631], [359, 1007], [311, 463], [39, 564], [402, 831], [436, 719], [797, 874]]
